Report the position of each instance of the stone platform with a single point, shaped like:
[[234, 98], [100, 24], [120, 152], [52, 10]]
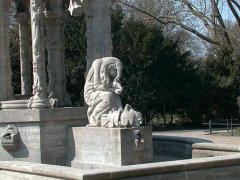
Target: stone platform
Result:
[[103, 148], [14, 104], [42, 133]]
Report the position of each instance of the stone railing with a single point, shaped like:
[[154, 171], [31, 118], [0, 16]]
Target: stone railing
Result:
[[214, 168], [167, 148]]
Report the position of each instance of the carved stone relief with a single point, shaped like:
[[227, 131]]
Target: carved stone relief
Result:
[[55, 23], [10, 139], [40, 99]]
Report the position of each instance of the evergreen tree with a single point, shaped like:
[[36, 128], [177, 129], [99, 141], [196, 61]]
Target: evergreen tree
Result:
[[154, 68], [75, 57]]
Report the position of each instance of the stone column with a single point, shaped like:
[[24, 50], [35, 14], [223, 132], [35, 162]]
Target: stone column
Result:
[[55, 23], [6, 89], [24, 53], [40, 99], [99, 37]]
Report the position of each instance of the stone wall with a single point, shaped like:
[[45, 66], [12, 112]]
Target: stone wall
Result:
[[214, 168], [201, 150], [167, 148], [43, 133], [97, 147], [171, 150]]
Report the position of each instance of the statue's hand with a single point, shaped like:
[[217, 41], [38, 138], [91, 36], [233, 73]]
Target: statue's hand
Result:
[[118, 88], [118, 92]]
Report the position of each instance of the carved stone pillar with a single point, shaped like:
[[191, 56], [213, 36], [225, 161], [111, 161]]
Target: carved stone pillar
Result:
[[6, 89], [55, 23], [24, 53], [40, 99], [99, 37]]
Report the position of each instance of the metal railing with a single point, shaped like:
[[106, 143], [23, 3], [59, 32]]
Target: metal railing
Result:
[[210, 124]]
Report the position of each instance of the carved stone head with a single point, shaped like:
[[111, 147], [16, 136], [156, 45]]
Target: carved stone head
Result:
[[111, 67]]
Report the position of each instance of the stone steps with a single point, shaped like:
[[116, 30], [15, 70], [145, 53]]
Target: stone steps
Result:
[[14, 104]]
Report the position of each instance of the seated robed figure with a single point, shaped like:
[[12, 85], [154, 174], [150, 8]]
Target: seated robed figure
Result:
[[102, 88], [101, 93]]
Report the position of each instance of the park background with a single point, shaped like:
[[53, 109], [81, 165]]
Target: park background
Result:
[[181, 59]]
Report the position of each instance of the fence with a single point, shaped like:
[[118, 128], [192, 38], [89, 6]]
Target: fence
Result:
[[221, 124]]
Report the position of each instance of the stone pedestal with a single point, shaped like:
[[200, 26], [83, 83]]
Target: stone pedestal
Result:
[[101, 148], [42, 133]]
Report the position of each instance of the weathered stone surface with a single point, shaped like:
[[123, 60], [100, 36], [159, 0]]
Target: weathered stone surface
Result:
[[215, 168], [37, 115], [40, 99], [55, 23], [10, 138], [201, 150], [171, 150], [217, 147], [14, 104], [200, 153], [42, 133], [99, 37], [6, 89], [101, 93], [10, 175], [94, 148], [102, 89]]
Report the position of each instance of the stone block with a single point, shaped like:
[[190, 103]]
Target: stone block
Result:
[[93, 147], [42, 133]]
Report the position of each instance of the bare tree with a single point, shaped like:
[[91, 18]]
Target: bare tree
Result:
[[200, 17]]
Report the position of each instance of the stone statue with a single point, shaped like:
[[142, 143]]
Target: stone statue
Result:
[[101, 94]]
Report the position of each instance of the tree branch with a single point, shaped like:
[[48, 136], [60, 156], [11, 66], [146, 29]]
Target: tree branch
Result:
[[201, 16], [237, 4], [234, 12]]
